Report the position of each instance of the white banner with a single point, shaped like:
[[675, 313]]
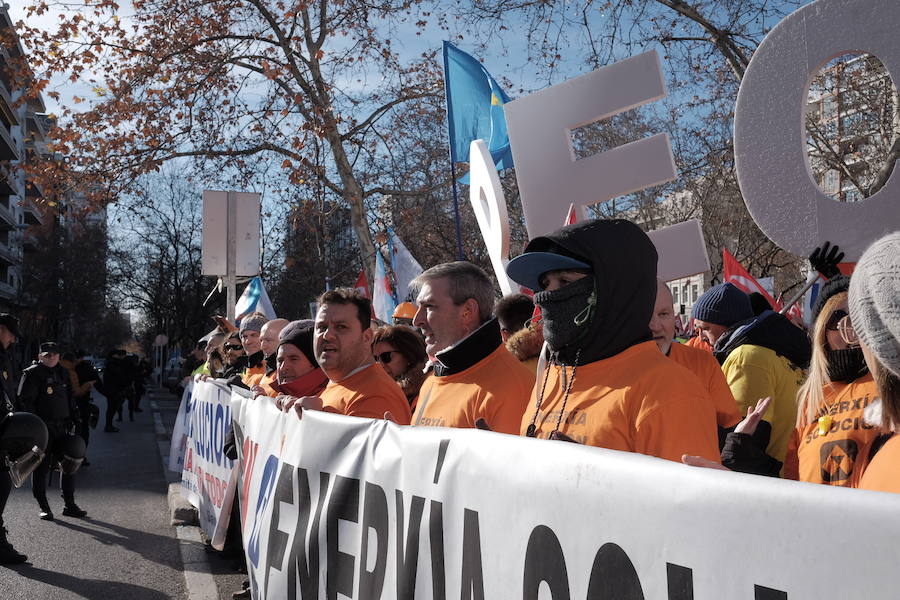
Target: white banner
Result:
[[208, 476], [339, 507], [180, 430]]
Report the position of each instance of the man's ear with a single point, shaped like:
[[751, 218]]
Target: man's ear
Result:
[[368, 335], [471, 314]]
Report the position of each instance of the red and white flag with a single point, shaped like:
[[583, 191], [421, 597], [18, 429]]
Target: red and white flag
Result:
[[736, 274], [571, 216], [361, 285]]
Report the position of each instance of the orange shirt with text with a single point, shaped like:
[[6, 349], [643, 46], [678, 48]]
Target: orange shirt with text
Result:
[[368, 393], [496, 389], [837, 457], [636, 401], [706, 368]]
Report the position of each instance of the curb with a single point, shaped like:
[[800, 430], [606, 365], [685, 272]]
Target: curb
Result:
[[198, 579]]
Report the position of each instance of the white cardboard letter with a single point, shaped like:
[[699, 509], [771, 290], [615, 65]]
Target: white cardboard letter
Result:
[[489, 204], [540, 126], [770, 134]]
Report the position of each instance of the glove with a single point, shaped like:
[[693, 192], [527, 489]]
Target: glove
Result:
[[825, 259]]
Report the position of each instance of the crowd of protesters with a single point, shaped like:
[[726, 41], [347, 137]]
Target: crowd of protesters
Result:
[[589, 356]]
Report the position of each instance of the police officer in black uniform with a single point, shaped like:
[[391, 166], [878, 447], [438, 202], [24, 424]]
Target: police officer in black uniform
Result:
[[9, 333], [46, 391]]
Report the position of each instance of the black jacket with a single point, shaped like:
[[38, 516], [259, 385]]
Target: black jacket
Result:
[[770, 330], [623, 261], [117, 377], [47, 392], [8, 379]]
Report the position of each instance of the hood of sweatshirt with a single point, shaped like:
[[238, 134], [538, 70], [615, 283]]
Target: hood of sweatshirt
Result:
[[623, 266]]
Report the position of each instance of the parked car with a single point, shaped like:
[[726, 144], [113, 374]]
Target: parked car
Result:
[[171, 375]]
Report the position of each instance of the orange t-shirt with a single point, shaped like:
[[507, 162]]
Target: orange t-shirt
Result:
[[496, 389], [253, 374], [837, 457], [883, 473], [705, 366], [266, 381], [636, 401], [699, 343], [368, 393]]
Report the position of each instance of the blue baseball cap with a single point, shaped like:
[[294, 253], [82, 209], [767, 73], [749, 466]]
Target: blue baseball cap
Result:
[[526, 269]]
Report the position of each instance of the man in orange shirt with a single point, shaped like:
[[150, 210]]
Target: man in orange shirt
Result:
[[606, 383], [475, 378], [343, 347], [261, 383], [251, 325], [702, 364]]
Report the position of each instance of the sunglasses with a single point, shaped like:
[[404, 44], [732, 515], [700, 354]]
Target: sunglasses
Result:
[[385, 357], [233, 347]]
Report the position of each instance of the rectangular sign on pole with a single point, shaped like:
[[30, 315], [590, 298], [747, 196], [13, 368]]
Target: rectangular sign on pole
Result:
[[215, 233], [334, 506], [208, 476]]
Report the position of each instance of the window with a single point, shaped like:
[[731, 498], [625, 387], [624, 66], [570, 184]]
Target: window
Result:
[[694, 292], [675, 295]]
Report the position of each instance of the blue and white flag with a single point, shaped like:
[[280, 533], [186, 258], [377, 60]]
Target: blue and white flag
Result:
[[254, 299], [404, 265], [383, 301]]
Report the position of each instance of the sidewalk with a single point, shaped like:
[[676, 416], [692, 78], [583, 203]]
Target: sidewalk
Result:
[[208, 574]]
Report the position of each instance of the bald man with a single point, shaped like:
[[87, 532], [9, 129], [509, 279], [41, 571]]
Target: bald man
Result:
[[268, 341], [700, 363]]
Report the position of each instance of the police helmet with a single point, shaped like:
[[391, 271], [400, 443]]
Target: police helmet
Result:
[[69, 451]]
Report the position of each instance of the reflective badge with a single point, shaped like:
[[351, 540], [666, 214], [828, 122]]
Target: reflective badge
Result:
[[49, 391]]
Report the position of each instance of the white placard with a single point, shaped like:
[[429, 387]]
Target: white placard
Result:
[[180, 430], [215, 233], [339, 507], [770, 132]]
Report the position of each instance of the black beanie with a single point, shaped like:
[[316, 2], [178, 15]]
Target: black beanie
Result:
[[300, 334], [723, 304], [835, 285]]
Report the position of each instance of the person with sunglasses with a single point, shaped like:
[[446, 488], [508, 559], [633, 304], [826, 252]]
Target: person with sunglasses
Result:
[[234, 357], [875, 323], [401, 352], [832, 437]]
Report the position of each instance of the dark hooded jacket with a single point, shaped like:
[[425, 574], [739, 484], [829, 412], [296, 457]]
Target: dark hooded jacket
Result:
[[623, 261], [770, 330]]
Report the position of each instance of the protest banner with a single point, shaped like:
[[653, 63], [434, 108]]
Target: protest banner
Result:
[[208, 476], [336, 507], [180, 430]]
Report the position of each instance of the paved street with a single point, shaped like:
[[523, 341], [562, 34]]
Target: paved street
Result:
[[125, 548]]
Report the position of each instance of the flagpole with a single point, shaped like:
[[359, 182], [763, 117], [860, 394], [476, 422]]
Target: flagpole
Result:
[[459, 248]]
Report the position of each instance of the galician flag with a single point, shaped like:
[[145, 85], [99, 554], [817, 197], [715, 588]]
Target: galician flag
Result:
[[383, 301], [254, 299], [403, 264]]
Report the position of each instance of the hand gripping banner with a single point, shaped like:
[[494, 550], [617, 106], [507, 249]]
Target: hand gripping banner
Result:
[[337, 507]]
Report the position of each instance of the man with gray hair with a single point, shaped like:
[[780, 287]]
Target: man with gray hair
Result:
[[475, 378]]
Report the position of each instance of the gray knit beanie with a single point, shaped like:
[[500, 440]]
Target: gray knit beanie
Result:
[[875, 300], [253, 322]]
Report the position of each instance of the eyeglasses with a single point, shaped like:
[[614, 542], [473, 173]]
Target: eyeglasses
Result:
[[385, 357], [233, 347], [840, 321]]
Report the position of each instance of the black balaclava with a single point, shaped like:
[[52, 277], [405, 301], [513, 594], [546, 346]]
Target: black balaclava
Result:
[[846, 365], [608, 311]]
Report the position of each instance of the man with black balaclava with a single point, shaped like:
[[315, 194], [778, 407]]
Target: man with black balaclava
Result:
[[606, 383]]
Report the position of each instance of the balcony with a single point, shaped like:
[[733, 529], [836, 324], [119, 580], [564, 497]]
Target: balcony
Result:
[[7, 292], [32, 213], [29, 243], [7, 145], [7, 217], [7, 256]]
